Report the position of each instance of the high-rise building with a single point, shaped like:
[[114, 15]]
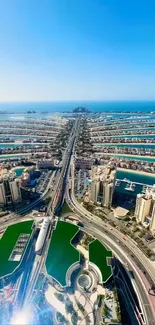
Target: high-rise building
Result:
[[9, 189], [152, 223], [95, 186], [143, 207], [2, 194], [108, 190], [103, 184]]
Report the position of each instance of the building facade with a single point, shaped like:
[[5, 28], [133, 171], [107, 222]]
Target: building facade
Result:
[[9, 189], [103, 184], [108, 190], [145, 209], [152, 223]]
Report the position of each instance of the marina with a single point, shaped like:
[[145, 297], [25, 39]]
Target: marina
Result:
[[132, 183]]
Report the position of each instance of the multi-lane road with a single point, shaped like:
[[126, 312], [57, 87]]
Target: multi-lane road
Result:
[[126, 250], [123, 247]]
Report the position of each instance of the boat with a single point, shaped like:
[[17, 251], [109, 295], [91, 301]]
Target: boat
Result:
[[125, 179], [117, 183], [130, 187]]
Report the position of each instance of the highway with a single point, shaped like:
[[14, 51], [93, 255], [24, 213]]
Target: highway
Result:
[[58, 196], [125, 250], [98, 228]]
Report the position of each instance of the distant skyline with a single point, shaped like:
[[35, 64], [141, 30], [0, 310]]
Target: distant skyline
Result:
[[55, 50]]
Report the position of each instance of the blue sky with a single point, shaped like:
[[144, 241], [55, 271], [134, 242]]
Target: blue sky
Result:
[[77, 49]]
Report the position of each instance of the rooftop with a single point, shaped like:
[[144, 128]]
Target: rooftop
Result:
[[103, 173], [120, 212]]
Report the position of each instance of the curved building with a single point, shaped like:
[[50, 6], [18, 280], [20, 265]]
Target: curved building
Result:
[[42, 235]]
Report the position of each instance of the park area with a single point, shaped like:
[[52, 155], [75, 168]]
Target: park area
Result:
[[98, 255], [7, 244], [61, 253]]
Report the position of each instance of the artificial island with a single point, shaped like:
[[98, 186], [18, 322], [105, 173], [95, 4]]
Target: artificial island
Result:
[[77, 218]]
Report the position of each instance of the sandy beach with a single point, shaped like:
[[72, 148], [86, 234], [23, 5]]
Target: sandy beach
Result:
[[23, 154], [124, 155], [140, 172]]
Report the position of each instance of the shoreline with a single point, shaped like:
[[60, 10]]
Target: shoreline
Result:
[[124, 143], [24, 143], [139, 172], [126, 135], [18, 167], [23, 154], [126, 155], [22, 135]]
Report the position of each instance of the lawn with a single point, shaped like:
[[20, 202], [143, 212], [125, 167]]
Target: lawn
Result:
[[61, 253], [7, 243], [98, 255]]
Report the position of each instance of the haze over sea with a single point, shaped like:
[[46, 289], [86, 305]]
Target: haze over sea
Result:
[[95, 106]]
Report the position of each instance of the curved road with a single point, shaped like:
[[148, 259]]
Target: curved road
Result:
[[125, 249]]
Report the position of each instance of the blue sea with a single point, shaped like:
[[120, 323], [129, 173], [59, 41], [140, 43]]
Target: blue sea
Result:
[[95, 106], [138, 178], [132, 157], [127, 145]]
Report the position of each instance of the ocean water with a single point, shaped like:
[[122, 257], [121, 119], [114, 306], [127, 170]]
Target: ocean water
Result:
[[14, 145], [17, 137], [96, 106], [132, 157], [128, 145], [147, 136], [2, 157], [142, 179], [131, 129]]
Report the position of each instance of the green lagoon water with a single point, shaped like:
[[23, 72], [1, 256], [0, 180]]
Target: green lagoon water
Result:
[[132, 129], [127, 145], [19, 171], [14, 145], [2, 157], [150, 159], [144, 136]]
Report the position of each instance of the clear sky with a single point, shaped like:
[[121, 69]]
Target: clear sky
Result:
[[77, 49]]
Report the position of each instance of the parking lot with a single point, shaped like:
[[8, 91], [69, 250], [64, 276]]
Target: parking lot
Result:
[[43, 180], [81, 182]]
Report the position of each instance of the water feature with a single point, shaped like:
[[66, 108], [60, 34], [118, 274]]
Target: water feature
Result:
[[19, 171]]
